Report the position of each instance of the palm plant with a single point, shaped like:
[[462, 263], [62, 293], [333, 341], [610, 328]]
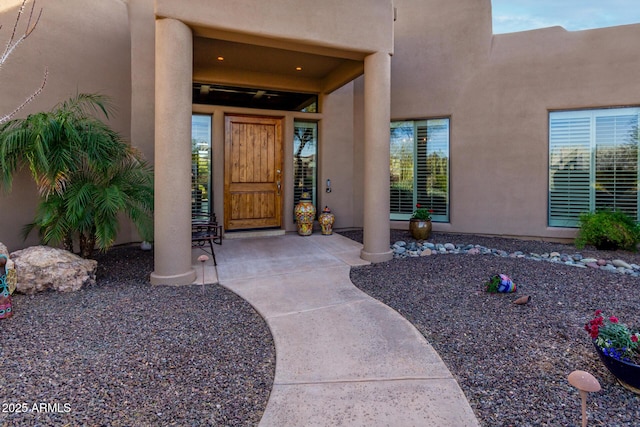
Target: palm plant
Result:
[[85, 172]]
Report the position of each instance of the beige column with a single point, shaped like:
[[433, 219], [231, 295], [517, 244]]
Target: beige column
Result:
[[377, 101], [172, 256]]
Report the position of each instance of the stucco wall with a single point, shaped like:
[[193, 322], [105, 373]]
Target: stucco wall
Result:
[[85, 44], [337, 156], [301, 21], [498, 90], [143, 31]]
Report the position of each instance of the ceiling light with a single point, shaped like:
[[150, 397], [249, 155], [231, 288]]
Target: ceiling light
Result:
[[298, 68], [220, 58]]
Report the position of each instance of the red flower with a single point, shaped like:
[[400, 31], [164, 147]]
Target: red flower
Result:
[[418, 205], [598, 313], [613, 319], [634, 338]]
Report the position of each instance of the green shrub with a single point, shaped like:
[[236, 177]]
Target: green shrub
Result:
[[608, 230]]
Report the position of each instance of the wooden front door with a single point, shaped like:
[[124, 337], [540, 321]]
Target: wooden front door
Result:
[[253, 172]]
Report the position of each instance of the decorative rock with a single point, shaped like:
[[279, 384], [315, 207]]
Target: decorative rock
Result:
[[523, 300], [620, 263], [414, 249], [3, 249], [41, 267], [575, 264]]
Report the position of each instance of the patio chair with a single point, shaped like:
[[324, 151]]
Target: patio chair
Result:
[[205, 229]]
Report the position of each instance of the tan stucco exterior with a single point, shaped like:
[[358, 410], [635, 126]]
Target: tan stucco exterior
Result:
[[438, 59]]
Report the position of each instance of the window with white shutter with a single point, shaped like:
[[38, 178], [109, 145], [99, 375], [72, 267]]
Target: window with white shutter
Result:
[[305, 154], [201, 165], [593, 163], [419, 168]]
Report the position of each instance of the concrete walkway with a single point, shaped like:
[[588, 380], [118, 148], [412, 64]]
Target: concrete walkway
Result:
[[342, 357]]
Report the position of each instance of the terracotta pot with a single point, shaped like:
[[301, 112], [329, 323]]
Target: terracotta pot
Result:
[[627, 374], [420, 229]]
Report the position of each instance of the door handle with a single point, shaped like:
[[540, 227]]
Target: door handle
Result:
[[278, 171]]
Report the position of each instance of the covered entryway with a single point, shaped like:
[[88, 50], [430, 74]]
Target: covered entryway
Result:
[[253, 172], [272, 47]]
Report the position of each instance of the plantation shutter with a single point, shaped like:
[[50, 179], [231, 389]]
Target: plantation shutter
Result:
[[616, 183], [401, 169], [432, 181], [569, 169], [305, 153], [593, 163], [419, 168]]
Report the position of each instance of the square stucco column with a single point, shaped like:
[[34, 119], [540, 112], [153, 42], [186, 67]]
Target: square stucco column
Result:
[[172, 216], [377, 105]]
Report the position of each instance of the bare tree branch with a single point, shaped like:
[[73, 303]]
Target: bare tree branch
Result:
[[13, 43], [26, 101]]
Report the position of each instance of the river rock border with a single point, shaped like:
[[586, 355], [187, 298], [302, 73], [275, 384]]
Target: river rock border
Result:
[[402, 249]]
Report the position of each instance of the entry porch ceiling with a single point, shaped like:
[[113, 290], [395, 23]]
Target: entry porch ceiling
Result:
[[269, 67]]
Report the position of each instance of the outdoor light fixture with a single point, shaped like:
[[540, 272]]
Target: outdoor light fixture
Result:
[[328, 190]]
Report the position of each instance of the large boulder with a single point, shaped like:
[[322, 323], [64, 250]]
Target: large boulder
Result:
[[41, 267]]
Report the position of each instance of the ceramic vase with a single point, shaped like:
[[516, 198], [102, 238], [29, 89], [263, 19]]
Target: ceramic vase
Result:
[[420, 228], [326, 220], [305, 214]]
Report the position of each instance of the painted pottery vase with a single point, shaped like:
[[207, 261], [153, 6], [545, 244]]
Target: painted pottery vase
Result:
[[326, 220], [305, 214], [7, 283], [420, 228], [627, 374]]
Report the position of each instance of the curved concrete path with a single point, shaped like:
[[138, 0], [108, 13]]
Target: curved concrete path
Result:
[[342, 357]]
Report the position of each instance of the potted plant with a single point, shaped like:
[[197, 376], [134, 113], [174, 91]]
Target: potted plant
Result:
[[420, 223], [618, 347]]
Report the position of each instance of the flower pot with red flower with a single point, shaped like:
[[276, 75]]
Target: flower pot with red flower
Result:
[[618, 347], [420, 223]]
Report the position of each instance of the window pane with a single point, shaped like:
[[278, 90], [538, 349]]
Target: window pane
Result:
[[200, 165], [420, 168], [569, 170], [433, 174], [617, 163], [593, 163], [401, 168], [305, 154]]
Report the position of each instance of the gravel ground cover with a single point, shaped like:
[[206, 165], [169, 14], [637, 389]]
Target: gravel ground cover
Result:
[[512, 361], [125, 353]]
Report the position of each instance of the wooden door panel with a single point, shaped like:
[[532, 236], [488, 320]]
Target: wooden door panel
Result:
[[253, 165]]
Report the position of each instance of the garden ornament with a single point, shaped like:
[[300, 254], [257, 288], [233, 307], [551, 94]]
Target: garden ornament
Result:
[[585, 383]]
